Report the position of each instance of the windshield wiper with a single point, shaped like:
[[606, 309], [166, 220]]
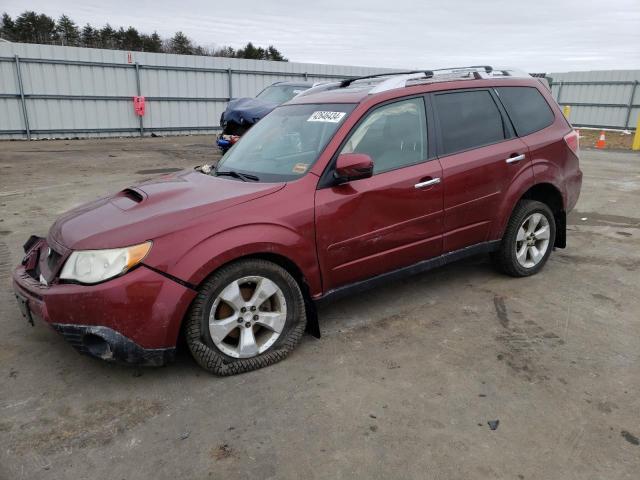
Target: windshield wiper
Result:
[[242, 176]]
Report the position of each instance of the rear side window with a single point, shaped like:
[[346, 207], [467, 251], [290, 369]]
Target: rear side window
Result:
[[527, 108], [468, 120]]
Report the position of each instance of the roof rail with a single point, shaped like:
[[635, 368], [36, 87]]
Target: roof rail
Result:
[[474, 72], [400, 79], [349, 81]]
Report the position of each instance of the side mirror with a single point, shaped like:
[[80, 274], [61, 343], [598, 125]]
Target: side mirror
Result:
[[352, 166]]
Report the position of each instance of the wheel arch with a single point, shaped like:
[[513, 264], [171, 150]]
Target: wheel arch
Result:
[[552, 197], [313, 327]]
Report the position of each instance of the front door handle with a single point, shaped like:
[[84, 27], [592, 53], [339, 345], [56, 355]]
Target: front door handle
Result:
[[427, 183], [515, 159]]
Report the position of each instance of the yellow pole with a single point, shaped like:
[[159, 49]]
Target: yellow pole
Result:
[[636, 137], [567, 111]]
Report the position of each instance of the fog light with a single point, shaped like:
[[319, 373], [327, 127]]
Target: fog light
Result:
[[97, 346]]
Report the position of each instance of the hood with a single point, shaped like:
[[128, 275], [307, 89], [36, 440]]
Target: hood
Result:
[[151, 209], [245, 111]]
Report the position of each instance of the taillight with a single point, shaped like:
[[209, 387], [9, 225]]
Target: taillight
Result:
[[572, 139]]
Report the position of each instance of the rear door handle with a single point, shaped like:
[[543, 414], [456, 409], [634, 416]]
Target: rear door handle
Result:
[[427, 183], [515, 159]]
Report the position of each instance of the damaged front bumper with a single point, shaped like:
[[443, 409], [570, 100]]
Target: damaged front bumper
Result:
[[134, 318], [107, 344]]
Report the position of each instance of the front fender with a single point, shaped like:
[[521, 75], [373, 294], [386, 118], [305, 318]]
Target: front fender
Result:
[[259, 238]]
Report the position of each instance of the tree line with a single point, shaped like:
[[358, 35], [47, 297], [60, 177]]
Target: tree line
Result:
[[31, 27]]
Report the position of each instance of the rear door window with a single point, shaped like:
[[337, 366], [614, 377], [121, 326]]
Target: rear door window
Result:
[[468, 120], [527, 109]]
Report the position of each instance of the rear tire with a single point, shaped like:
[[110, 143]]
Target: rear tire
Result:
[[247, 315], [527, 241]]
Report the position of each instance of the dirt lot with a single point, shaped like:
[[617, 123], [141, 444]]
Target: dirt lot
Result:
[[401, 385], [613, 140]]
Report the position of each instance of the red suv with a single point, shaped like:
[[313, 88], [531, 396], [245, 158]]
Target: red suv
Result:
[[350, 185]]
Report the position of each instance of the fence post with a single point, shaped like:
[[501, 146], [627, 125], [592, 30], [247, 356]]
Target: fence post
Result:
[[306, 76], [630, 104], [25, 114], [230, 82], [636, 138], [559, 91], [139, 94]]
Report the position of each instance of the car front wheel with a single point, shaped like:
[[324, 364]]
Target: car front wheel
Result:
[[247, 315]]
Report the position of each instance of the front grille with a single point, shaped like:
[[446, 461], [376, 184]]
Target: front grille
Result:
[[47, 263]]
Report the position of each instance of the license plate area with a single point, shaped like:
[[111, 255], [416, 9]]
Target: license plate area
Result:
[[23, 304]]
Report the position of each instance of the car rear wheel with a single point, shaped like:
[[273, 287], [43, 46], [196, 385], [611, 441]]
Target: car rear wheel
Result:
[[528, 240], [247, 315]]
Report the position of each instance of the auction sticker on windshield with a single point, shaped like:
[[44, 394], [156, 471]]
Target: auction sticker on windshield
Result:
[[331, 117], [300, 167]]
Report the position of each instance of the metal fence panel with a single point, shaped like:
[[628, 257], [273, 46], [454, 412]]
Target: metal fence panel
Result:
[[80, 92], [601, 99]]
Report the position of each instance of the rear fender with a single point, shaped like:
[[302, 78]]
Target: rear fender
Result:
[[546, 171], [517, 188]]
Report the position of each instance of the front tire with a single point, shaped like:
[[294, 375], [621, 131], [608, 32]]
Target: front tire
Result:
[[527, 241], [247, 315]]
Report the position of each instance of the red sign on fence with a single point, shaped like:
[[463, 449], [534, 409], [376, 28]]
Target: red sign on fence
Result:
[[138, 106]]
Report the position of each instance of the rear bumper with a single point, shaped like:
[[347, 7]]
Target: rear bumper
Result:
[[134, 318], [574, 185]]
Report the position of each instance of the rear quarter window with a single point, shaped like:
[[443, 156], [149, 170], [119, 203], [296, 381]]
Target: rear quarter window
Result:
[[527, 109]]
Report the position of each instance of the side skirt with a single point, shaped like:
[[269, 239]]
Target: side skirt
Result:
[[423, 266]]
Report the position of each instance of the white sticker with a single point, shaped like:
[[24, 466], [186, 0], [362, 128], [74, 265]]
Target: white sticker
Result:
[[331, 117]]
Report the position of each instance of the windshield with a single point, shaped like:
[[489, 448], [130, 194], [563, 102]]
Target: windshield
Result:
[[280, 93], [286, 143]]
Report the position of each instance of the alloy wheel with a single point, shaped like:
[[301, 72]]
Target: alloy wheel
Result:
[[532, 240], [247, 317]]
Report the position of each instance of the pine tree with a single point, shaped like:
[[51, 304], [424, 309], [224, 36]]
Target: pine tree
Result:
[[7, 28], [33, 28], [250, 52], [274, 54], [67, 31], [89, 37], [180, 44], [108, 37], [151, 43]]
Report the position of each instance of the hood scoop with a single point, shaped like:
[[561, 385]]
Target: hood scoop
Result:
[[128, 198]]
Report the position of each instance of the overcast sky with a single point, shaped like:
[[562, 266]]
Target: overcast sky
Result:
[[534, 35]]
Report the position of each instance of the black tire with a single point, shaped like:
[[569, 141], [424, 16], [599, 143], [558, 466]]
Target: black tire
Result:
[[197, 335], [505, 258]]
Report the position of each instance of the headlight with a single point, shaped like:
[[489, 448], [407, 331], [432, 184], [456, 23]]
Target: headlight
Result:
[[94, 266]]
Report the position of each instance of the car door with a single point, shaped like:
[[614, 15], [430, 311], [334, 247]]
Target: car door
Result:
[[392, 219], [480, 157]]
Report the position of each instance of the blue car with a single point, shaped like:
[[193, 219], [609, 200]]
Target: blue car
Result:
[[243, 113]]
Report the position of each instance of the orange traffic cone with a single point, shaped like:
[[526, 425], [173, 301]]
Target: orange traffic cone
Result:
[[601, 143]]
